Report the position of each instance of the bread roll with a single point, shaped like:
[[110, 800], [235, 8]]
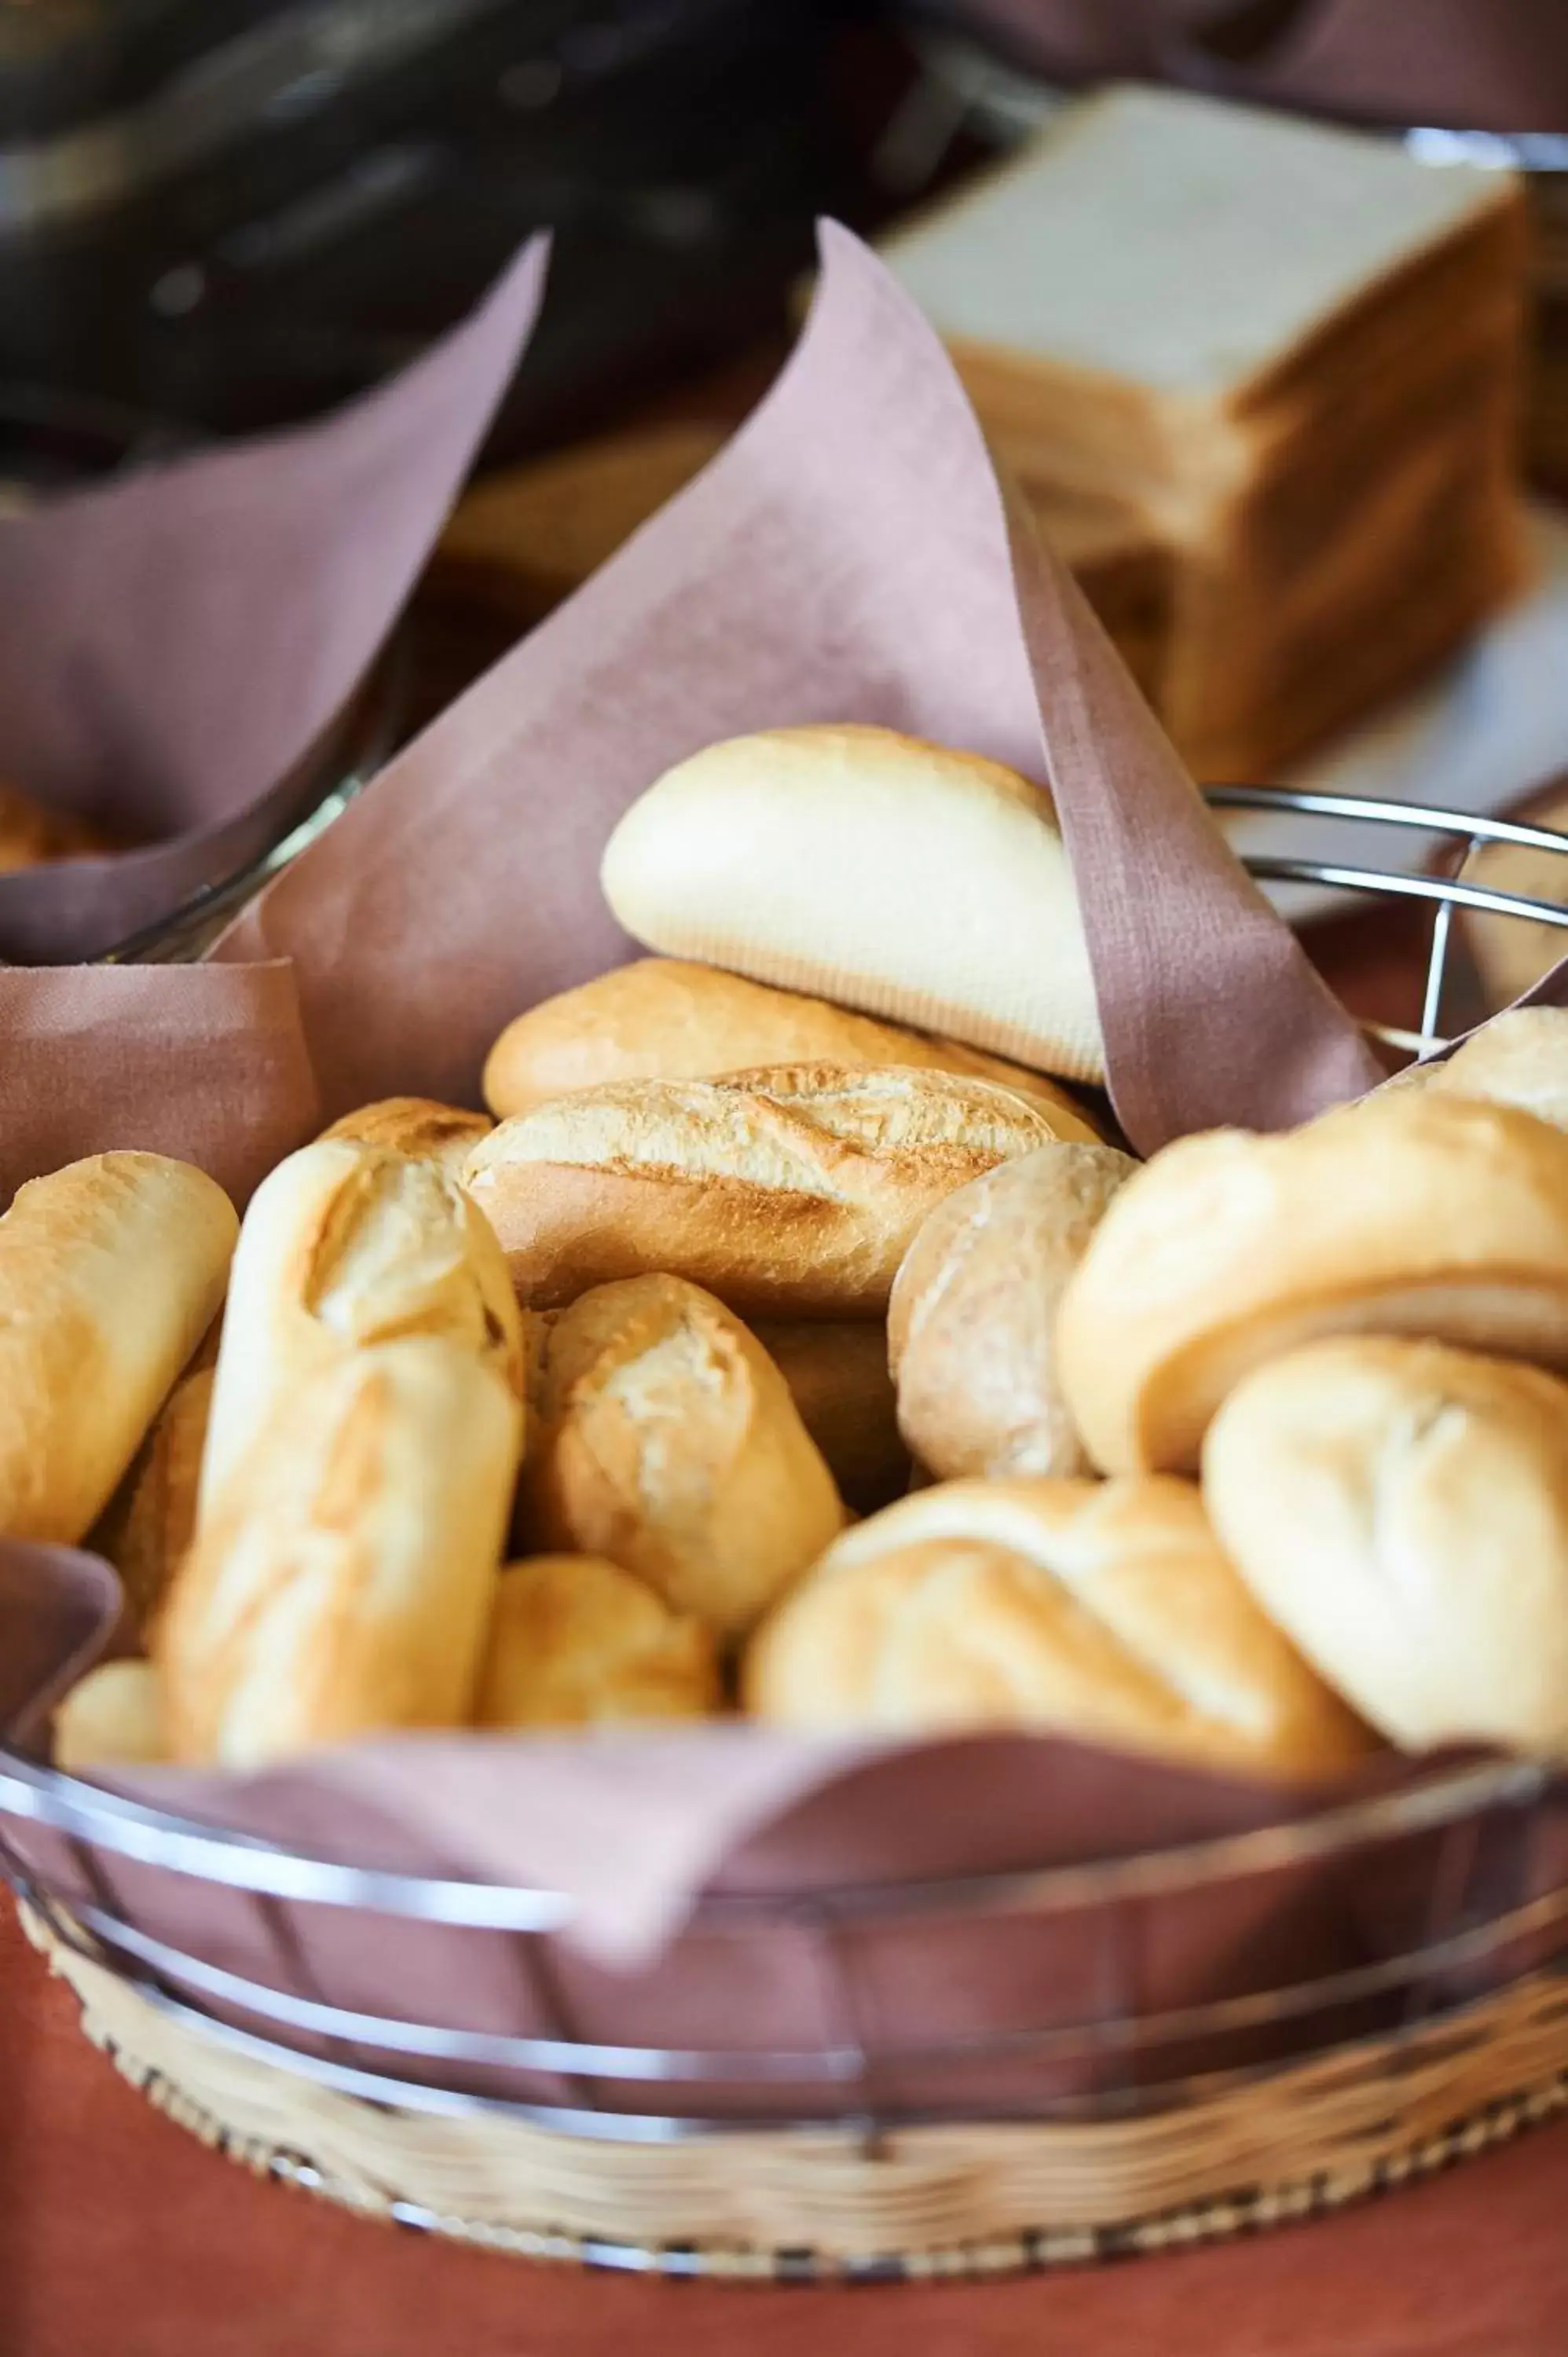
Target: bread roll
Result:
[[1519, 1059], [111, 1272], [662, 1019], [346, 1244], [416, 1125], [1415, 1212], [1101, 1610], [341, 1583], [669, 1444], [927, 886], [151, 1519], [577, 1642], [838, 1380], [1400, 1510], [111, 1718], [971, 1325], [790, 1192]]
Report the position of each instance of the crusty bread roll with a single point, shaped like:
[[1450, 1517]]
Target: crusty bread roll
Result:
[[1100, 1610], [1400, 1509], [839, 1379], [664, 1020], [927, 886], [341, 1582], [1521, 1059], [669, 1443], [111, 1272], [151, 1519], [576, 1641], [417, 1126], [790, 1192], [345, 1244], [972, 1324], [111, 1718], [1414, 1213]]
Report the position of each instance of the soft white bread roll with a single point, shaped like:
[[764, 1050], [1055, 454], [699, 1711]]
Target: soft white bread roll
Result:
[[1400, 1510], [151, 1519], [1103, 1610], [346, 1244], [663, 1020], [112, 1718], [972, 1324], [576, 1641], [1414, 1213], [790, 1192], [111, 1272], [417, 1126], [927, 886], [1519, 1059], [840, 1381], [669, 1443], [341, 1582]]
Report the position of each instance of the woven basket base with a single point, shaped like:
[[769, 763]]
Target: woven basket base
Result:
[[926, 2202]]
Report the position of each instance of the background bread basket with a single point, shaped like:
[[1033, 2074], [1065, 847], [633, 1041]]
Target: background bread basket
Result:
[[727, 1997]]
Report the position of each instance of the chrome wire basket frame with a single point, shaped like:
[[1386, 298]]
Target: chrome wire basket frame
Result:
[[1481, 1835]]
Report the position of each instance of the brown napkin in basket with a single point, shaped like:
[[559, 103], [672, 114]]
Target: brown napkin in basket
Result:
[[177, 643]]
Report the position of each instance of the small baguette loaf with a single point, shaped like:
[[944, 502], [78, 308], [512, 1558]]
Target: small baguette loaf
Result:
[[664, 1020], [1106, 1612], [926, 886], [346, 1244], [341, 1583], [790, 1192], [972, 1324], [577, 1642], [1400, 1510], [151, 1519], [111, 1272], [669, 1443], [838, 1380], [1519, 1059], [416, 1125], [111, 1718], [1415, 1212]]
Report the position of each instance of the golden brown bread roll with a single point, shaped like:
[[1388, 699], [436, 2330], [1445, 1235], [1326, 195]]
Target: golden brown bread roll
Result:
[[838, 1380], [972, 1324], [111, 1718], [576, 1641], [1103, 1610], [417, 1126], [923, 885], [1400, 1510], [669, 1443], [346, 1244], [1519, 1059], [1414, 1213], [665, 1019], [151, 1519], [789, 1192], [111, 1272], [341, 1582]]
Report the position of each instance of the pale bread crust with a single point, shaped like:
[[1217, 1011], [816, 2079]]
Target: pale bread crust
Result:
[[421, 1126], [576, 1641]]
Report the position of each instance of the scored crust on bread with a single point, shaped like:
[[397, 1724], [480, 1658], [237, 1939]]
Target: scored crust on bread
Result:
[[789, 1191], [420, 1126], [1414, 1213], [921, 884]]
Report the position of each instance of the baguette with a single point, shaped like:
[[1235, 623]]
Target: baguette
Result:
[[788, 1192], [664, 1020], [416, 1125], [111, 1272], [1415, 1212], [1105, 1611], [669, 1444], [151, 1519], [111, 1719], [925, 885], [345, 1245], [341, 1584], [576, 1641]]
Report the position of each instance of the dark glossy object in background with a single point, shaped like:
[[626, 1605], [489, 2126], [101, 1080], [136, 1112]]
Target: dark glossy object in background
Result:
[[234, 216]]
